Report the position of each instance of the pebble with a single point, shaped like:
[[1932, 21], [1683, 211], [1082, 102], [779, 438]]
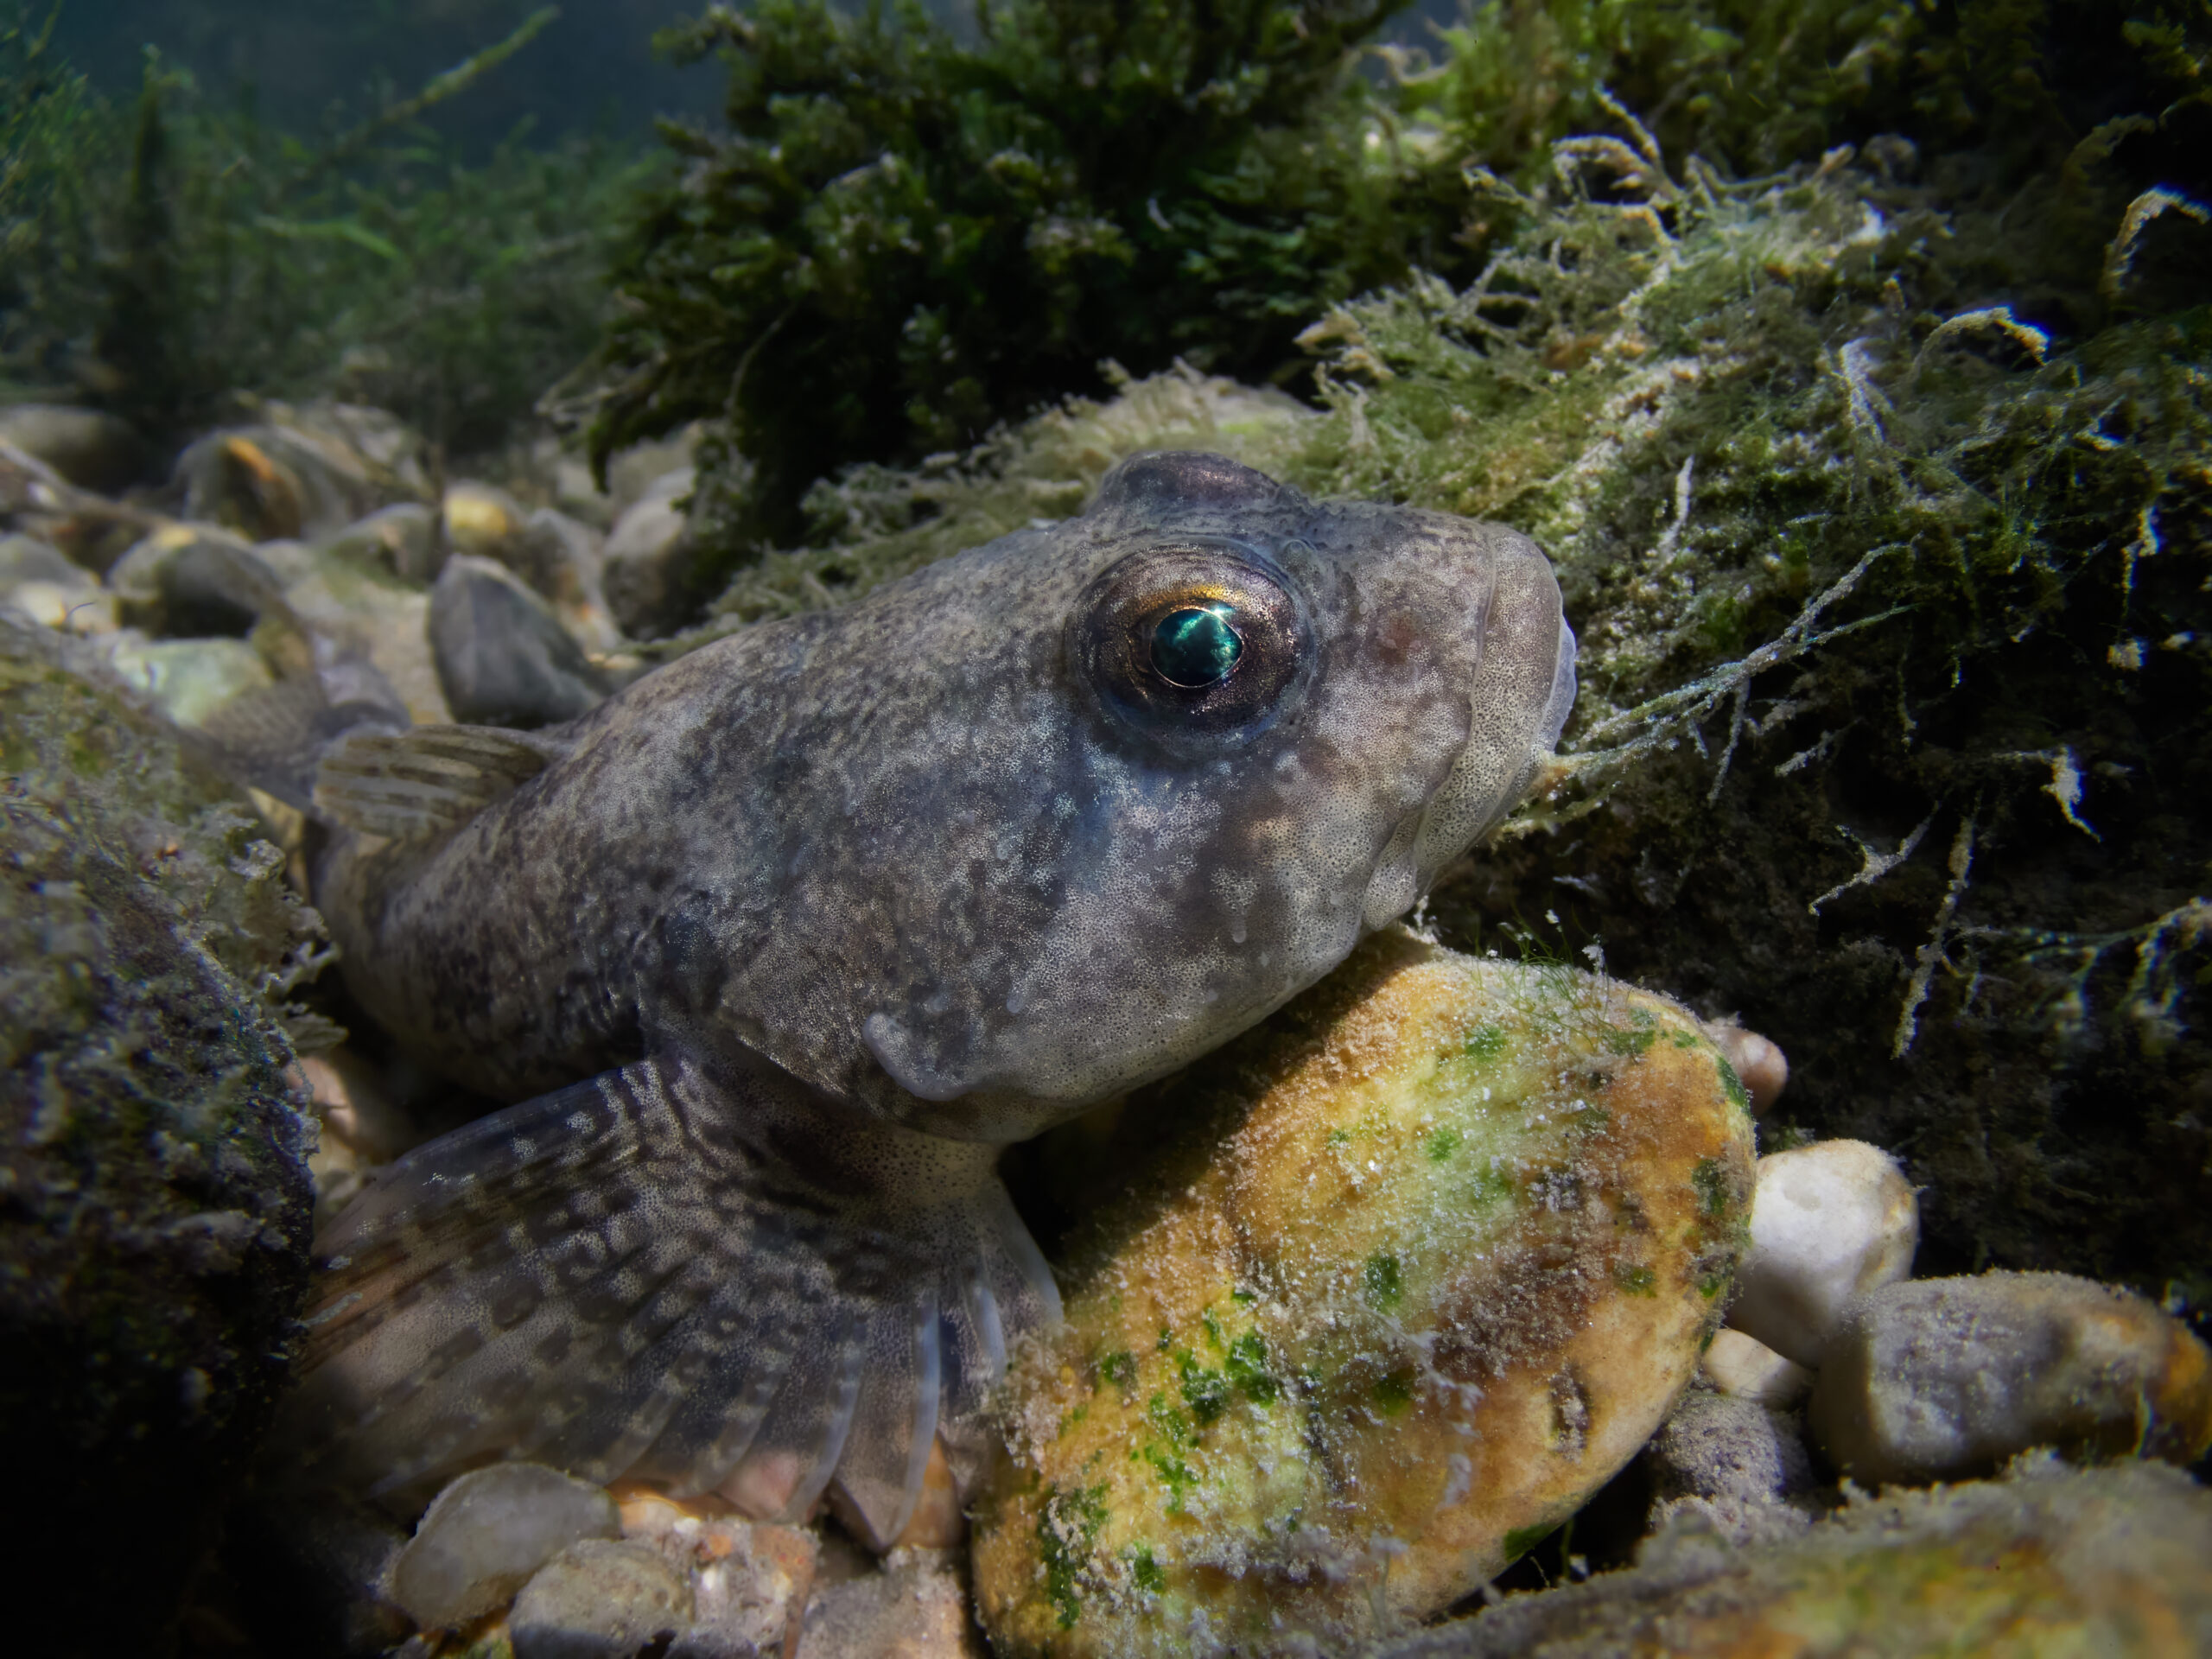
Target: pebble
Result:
[[600, 1599], [1746, 1368], [187, 679], [503, 657], [749, 1579], [401, 539], [41, 584], [90, 447], [1409, 1272], [1829, 1221], [481, 520], [1737, 1466], [562, 558], [915, 1608], [1760, 1064], [648, 558], [487, 1534], [1943, 1378], [210, 587]]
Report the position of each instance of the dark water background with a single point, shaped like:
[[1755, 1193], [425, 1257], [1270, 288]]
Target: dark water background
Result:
[[309, 66]]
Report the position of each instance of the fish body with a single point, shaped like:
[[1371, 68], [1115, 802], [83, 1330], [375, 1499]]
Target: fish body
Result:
[[778, 946]]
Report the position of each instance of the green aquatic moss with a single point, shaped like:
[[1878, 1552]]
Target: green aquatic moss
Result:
[[935, 235]]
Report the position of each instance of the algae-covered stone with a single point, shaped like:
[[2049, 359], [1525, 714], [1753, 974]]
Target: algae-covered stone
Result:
[[1417, 1266], [154, 1241], [2103, 1561]]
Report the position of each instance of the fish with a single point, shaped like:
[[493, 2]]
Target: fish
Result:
[[777, 949]]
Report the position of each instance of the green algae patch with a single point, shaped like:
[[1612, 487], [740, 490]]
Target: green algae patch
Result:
[[1344, 1373]]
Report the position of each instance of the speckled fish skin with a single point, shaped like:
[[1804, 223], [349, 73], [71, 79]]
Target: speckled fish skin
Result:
[[808, 923]]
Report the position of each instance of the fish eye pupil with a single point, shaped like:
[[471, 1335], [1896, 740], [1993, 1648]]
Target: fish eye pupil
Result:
[[1196, 647]]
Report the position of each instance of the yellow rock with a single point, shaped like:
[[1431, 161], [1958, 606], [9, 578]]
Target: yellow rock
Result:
[[1407, 1275]]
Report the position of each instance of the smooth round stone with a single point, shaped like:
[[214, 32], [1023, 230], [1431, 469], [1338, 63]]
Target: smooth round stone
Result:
[[487, 1533], [503, 657], [1943, 1378], [93, 449], [599, 1600], [1830, 1220], [1404, 1275], [1747, 1369]]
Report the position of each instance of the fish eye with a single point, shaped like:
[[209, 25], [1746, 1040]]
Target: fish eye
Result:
[[1198, 645], [1194, 640]]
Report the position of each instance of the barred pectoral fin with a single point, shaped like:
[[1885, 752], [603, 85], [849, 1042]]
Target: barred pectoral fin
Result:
[[611, 1280]]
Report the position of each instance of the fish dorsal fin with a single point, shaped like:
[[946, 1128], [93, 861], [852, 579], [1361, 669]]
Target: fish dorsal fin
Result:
[[423, 782]]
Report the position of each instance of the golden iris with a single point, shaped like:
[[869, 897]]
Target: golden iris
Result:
[[1196, 647]]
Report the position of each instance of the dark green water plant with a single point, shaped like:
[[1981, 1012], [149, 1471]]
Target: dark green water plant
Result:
[[901, 240], [165, 253]]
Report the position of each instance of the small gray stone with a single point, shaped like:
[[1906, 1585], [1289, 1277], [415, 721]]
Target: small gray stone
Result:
[[915, 1607], [1943, 1378], [565, 559], [503, 657], [91, 449], [401, 539], [648, 559], [1733, 1461], [600, 1599], [483, 1537], [210, 588]]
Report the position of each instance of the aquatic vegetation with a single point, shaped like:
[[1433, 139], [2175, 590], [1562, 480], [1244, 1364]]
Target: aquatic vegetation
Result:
[[935, 236], [164, 255]]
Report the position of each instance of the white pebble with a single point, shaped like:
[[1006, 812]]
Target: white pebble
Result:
[[487, 1532], [1747, 1369], [1829, 1222]]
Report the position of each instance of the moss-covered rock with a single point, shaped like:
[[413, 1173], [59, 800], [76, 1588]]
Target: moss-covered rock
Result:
[[2108, 1561], [155, 1203], [1403, 1277]]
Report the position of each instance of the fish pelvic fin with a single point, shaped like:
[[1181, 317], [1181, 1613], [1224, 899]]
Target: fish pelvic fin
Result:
[[611, 1280], [424, 781]]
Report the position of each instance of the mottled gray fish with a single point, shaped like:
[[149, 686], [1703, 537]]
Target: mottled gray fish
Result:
[[789, 938]]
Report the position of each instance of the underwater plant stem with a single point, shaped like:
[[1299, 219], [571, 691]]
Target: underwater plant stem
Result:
[[458, 78]]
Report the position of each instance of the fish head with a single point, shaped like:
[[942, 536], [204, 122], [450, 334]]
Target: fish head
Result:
[[1207, 735]]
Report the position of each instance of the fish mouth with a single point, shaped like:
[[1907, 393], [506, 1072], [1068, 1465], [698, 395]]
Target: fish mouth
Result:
[[1486, 779]]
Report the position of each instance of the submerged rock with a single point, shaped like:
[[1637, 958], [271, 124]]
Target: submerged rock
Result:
[[90, 448], [2104, 1562], [154, 1240], [915, 1608], [1831, 1220], [41, 584], [601, 1598], [503, 657], [485, 1535], [1737, 1465], [648, 559], [1415, 1269], [1747, 1369], [1946, 1377]]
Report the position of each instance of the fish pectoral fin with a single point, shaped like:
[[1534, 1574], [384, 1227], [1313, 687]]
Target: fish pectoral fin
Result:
[[610, 1281], [424, 781]]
